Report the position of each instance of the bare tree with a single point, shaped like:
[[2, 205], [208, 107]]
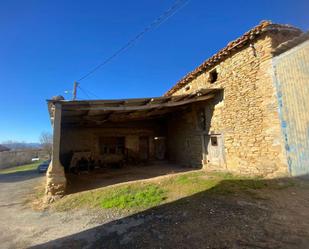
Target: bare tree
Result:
[[46, 140]]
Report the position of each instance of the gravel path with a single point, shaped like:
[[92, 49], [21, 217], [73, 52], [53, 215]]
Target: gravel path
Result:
[[280, 219], [21, 227]]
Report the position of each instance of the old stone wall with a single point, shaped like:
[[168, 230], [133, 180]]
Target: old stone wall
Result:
[[184, 139], [248, 115]]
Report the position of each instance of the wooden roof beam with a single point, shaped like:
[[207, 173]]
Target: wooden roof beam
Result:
[[146, 107]]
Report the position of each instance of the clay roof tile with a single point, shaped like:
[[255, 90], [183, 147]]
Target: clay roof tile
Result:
[[255, 32]]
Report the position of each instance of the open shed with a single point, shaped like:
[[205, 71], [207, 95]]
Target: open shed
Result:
[[101, 133]]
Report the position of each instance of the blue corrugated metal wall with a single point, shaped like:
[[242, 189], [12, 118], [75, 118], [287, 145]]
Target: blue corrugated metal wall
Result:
[[291, 76]]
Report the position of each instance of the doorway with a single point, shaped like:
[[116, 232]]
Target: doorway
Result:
[[144, 148], [215, 149], [160, 148]]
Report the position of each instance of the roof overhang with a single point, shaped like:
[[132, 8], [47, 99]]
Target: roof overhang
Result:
[[100, 111], [283, 47], [232, 47]]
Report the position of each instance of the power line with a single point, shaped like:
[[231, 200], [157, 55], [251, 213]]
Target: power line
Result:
[[178, 4], [84, 92], [87, 92]]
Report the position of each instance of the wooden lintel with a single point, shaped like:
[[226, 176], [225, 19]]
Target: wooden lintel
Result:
[[145, 107]]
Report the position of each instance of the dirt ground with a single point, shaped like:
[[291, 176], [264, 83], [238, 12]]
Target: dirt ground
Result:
[[106, 177], [276, 219]]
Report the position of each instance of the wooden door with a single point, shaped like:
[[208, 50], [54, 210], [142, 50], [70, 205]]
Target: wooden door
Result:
[[144, 148], [160, 148], [215, 150]]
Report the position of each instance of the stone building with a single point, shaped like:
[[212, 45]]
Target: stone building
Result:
[[224, 116]]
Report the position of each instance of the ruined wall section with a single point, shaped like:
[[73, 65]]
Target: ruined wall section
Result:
[[248, 116]]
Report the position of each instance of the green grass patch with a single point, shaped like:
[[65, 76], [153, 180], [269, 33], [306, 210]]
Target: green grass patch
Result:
[[139, 195], [189, 183], [129, 196], [133, 196], [21, 168], [188, 178]]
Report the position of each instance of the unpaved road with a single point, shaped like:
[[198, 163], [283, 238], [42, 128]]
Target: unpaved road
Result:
[[21, 226], [278, 220]]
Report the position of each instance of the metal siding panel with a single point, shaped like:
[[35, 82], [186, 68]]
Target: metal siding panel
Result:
[[292, 83]]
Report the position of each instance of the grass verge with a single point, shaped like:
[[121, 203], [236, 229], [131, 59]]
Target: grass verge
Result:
[[140, 195], [21, 168]]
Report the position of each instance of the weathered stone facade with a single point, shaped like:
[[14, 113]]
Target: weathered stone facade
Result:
[[248, 115], [184, 139], [222, 116]]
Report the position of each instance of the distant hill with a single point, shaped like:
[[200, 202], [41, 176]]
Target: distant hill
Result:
[[3, 148], [21, 145]]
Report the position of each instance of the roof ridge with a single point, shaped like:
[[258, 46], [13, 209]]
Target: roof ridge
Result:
[[238, 43]]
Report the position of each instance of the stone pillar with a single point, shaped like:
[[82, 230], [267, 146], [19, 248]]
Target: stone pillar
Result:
[[55, 176]]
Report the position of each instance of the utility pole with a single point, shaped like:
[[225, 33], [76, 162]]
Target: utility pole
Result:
[[75, 90]]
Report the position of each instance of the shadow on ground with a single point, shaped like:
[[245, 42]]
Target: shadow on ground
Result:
[[105, 177], [260, 214], [19, 176]]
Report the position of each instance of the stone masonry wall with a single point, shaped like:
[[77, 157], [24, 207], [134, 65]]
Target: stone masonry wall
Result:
[[184, 139], [248, 116]]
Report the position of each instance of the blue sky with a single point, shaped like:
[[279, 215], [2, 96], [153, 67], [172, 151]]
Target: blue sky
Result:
[[46, 45]]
